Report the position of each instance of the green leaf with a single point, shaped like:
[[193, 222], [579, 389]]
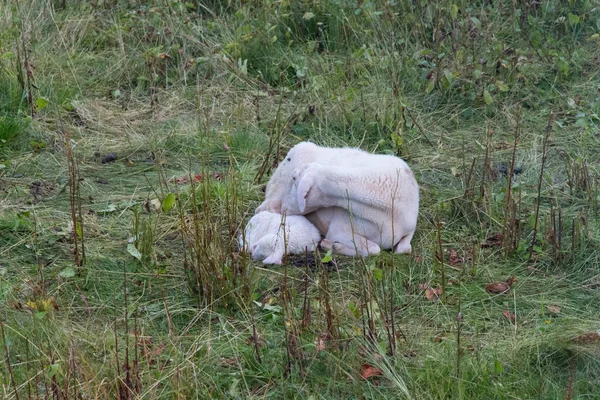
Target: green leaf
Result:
[[563, 66], [454, 11], [41, 103], [487, 97], [268, 307], [40, 314], [430, 86], [396, 139], [595, 36], [52, 370], [327, 257], [503, 87], [498, 367], [134, 251], [308, 16], [78, 229], [359, 52], [378, 274], [573, 19], [536, 39], [110, 208], [67, 272], [168, 202], [449, 77]]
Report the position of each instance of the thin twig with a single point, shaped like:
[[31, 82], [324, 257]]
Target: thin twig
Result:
[[539, 191], [418, 126], [7, 356]]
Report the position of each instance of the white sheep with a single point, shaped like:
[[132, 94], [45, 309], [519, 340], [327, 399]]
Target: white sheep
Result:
[[266, 239], [360, 202]]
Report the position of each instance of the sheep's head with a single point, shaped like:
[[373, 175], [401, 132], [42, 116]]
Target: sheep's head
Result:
[[281, 183]]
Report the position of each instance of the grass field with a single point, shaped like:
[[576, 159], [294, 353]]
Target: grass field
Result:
[[136, 138]]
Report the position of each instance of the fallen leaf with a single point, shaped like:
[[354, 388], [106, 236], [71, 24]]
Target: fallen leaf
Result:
[[168, 202], [321, 341], [494, 240], [497, 287], [419, 258], [367, 371], [159, 349], [510, 281], [510, 316], [454, 259], [68, 272], [180, 180], [218, 176], [439, 338], [231, 362], [553, 309], [134, 251], [433, 294], [588, 338], [156, 204]]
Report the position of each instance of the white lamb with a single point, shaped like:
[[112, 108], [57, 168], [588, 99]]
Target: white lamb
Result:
[[267, 240], [360, 202]]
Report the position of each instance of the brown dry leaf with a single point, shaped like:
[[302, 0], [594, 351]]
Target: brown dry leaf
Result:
[[433, 294], [510, 281], [159, 349], [440, 337], [502, 146], [494, 240], [510, 316], [145, 343], [231, 362], [218, 176], [268, 299], [180, 180], [553, 309], [321, 342], [588, 338], [155, 203], [368, 371], [454, 258], [497, 287]]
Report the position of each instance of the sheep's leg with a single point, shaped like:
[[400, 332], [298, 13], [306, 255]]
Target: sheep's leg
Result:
[[275, 258], [360, 246], [403, 246]]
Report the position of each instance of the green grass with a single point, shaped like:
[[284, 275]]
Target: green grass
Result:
[[177, 89]]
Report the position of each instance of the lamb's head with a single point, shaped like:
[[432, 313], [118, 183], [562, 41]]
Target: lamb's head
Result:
[[281, 183], [258, 224]]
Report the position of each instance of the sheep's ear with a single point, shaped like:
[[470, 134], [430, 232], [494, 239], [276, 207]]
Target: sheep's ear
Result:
[[302, 190]]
